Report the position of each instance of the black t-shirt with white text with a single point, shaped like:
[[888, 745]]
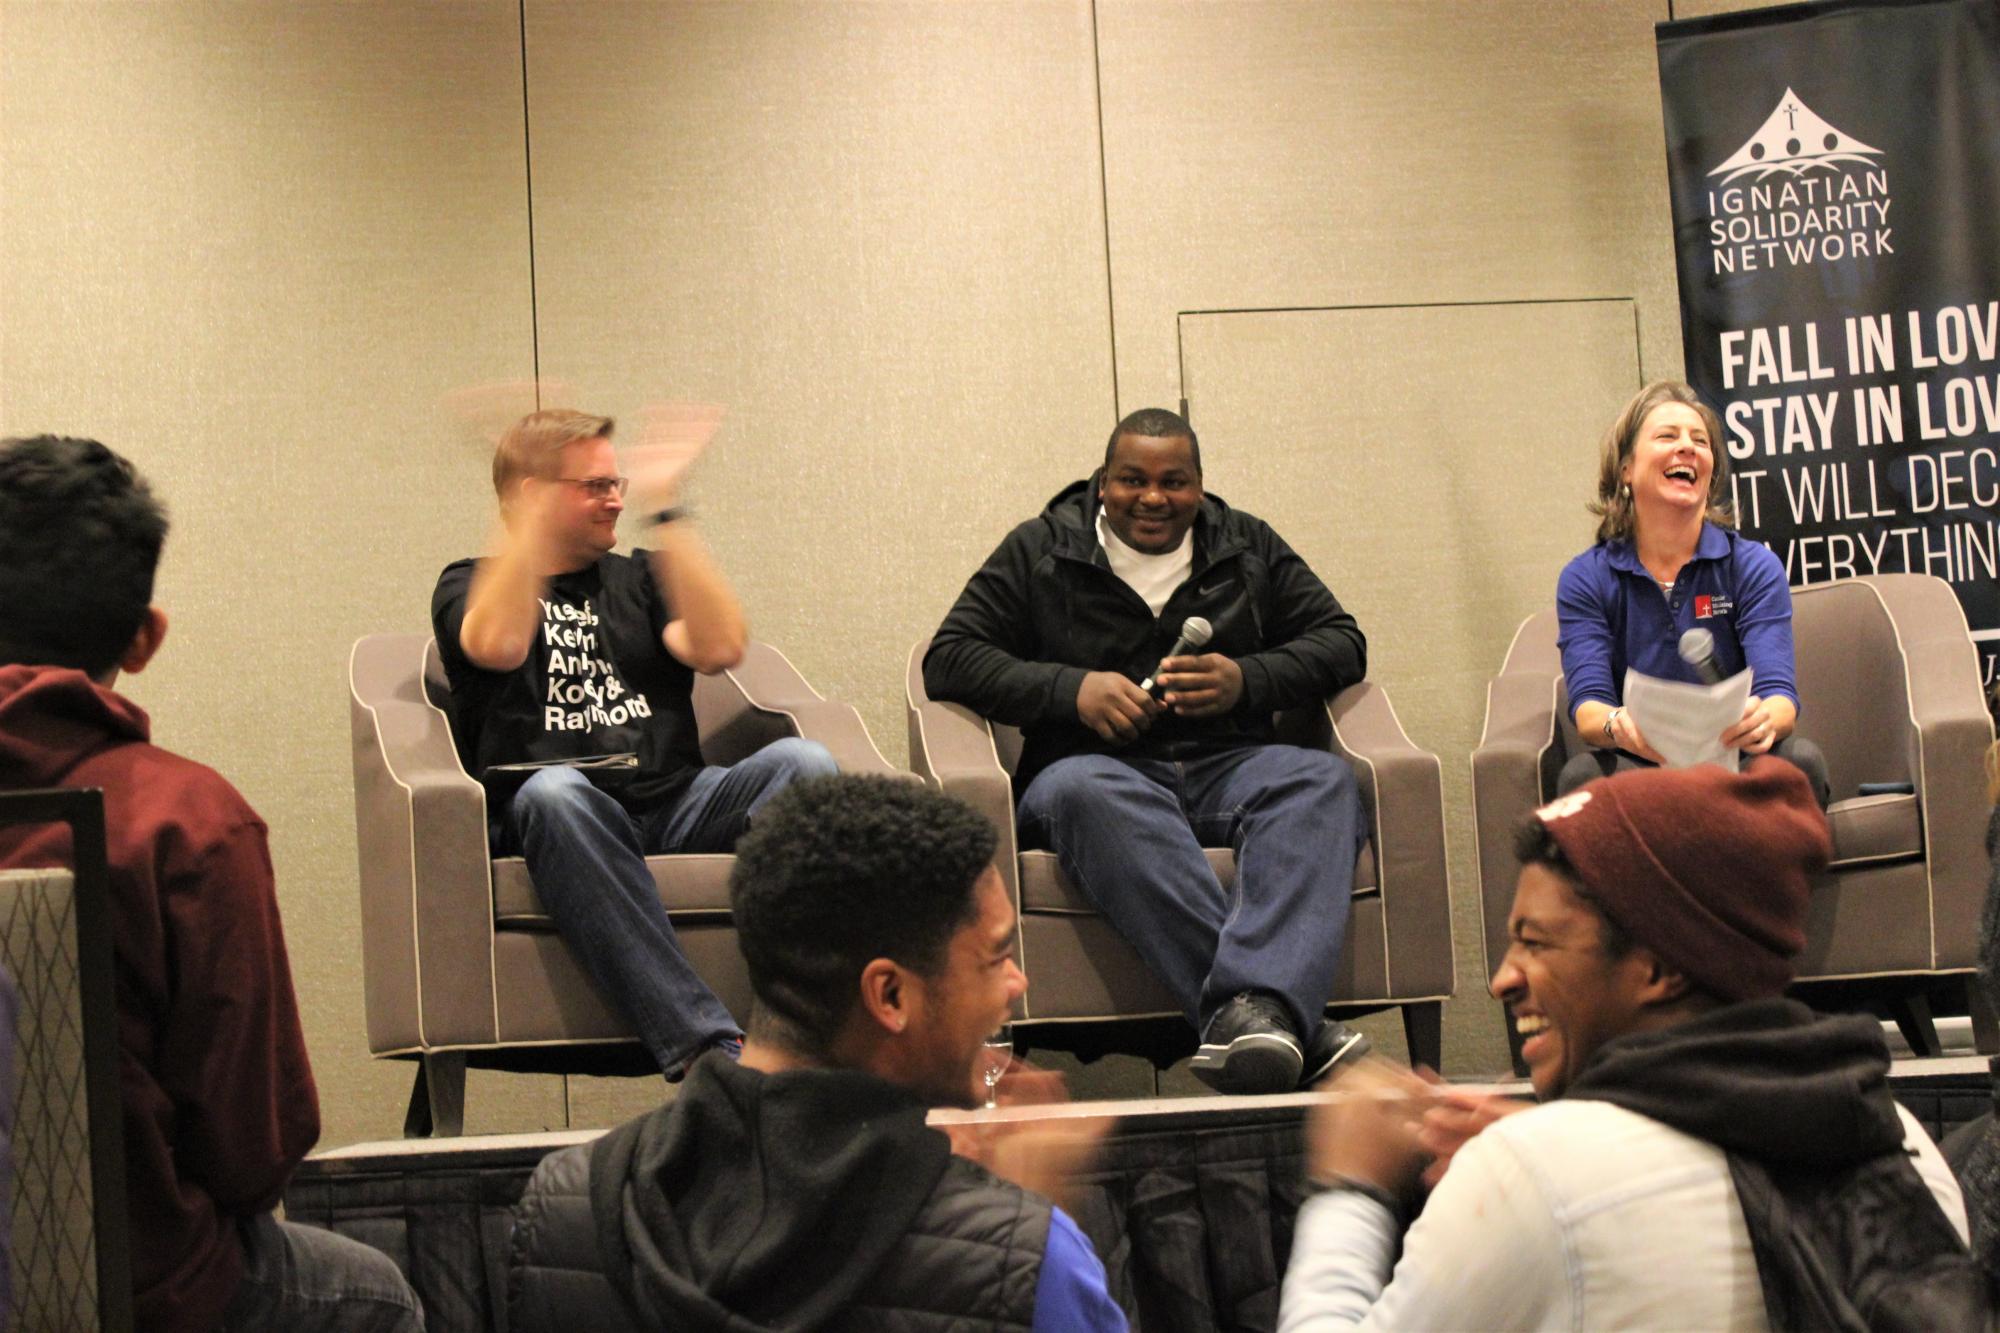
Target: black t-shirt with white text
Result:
[[597, 681]]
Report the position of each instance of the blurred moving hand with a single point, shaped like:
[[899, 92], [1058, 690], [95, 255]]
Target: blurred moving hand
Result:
[[1454, 1118], [1044, 1157], [1367, 1127], [671, 437]]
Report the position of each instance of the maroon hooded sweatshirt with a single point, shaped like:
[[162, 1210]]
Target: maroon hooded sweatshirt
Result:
[[218, 1097]]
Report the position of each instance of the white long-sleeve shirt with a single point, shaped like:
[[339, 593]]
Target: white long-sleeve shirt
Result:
[[1575, 1215]]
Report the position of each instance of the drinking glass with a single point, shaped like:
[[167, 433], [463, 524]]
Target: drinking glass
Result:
[[996, 1055]]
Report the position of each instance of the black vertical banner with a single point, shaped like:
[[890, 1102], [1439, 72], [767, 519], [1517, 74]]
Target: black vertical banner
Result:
[[1835, 171]]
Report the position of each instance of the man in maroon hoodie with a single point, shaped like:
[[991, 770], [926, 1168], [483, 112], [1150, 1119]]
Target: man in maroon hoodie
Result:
[[219, 1104]]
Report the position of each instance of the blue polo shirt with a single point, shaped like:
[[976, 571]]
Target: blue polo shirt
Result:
[[1611, 615]]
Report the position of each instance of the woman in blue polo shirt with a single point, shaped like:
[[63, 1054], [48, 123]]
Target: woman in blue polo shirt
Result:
[[1668, 559]]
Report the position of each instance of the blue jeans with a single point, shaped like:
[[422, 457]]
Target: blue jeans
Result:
[[307, 1280], [587, 857], [1129, 834]]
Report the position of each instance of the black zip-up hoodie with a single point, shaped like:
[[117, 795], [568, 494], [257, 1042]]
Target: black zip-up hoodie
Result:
[[1846, 1234], [809, 1199], [1046, 609]]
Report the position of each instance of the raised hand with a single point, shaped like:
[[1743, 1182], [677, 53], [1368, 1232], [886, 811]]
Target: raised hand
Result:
[[671, 437], [487, 410]]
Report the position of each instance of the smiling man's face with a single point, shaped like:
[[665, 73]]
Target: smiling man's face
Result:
[[1566, 991], [1151, 491]]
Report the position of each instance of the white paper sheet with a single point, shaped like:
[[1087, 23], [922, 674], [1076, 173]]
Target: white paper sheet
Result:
[[1685, 722]]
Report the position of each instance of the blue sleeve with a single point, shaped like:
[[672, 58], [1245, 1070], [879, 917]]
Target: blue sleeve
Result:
[[1763, 618], [1583, 631], [1070, 1296]]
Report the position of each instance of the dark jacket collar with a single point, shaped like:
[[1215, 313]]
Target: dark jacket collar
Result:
[[1767, 1079], [767, 1199]]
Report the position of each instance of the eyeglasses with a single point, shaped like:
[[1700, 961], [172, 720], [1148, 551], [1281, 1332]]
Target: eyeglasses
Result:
[[598, 488]]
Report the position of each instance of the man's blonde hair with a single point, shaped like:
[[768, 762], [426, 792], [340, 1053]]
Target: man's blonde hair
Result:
[[531, 446]]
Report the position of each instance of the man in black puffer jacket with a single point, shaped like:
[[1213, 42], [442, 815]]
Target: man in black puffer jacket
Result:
[[802, 1189], [1058, 633]]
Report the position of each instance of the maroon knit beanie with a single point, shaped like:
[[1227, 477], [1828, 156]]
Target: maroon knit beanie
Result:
[[1709, 869]]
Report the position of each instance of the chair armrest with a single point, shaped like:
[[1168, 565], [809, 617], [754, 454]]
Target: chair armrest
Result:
[[952, 748], [425, 876], [1521, 709], [1951, 732], [770, 683], [1407, 828], [1366, 732], [1506, 786]]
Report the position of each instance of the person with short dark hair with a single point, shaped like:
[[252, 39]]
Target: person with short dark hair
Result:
[[802, 1188], [1056, 633], [572, 700], [1707, 1154], [218, 1097]]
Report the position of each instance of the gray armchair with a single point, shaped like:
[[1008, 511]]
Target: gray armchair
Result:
[[461, 964], [1087, 989], [1889, 688]]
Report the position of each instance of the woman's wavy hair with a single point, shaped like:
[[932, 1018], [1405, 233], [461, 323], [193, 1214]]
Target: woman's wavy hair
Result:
[[1613, 506]]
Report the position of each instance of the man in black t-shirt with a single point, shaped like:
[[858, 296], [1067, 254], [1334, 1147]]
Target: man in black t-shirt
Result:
[[572, 672]]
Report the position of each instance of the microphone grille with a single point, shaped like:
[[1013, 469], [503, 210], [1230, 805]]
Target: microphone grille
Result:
[[1196, 630], [1697, 646]]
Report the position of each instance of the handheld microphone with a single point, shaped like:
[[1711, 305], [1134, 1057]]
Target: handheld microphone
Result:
[[1698, 651], [1194, 633]]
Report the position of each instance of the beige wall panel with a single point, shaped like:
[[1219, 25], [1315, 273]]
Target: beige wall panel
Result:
[[874, 231], [251, 245], [1432, 465], [1695, 9], [1302, 153]]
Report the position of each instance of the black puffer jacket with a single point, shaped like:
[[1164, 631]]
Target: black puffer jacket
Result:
[[1046, 609], [803, 1200]]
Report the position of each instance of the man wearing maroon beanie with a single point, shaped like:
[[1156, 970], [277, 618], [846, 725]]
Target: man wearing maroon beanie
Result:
[[1707, 1153]]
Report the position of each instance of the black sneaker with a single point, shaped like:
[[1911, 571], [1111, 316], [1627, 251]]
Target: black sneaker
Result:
[[1333, 1043], [1249, 1048]]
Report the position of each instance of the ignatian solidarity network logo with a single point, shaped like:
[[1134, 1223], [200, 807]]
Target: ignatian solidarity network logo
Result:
[[1799, 192]]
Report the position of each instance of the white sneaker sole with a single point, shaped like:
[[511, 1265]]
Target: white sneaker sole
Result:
[[1252, 1064]]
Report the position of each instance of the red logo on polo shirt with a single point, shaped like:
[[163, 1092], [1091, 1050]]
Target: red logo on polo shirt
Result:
[[1707, 605]]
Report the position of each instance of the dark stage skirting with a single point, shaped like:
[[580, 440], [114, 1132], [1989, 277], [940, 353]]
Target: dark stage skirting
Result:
[[1190, 1205]]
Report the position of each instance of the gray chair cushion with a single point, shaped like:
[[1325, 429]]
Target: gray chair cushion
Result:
[[687, 884], [1875, 828]]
